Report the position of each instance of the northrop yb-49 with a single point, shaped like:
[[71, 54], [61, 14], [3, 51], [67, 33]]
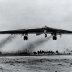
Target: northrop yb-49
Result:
[[38, 31]]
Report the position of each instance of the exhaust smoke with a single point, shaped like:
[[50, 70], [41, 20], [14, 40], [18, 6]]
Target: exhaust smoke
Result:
[[32, 45], [29, 46], [6, 40]]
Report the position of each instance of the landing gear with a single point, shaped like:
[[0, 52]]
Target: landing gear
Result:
[[54, 38], [45, 35], [26, 37]]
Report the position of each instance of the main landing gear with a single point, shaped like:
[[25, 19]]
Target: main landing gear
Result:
[[26, 37], [54, 36]]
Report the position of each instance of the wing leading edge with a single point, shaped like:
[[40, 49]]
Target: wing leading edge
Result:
[[45, 30]]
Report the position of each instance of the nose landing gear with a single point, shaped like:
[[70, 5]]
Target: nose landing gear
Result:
[[45, 35]]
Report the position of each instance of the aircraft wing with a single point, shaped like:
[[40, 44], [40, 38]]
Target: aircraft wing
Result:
[[37, 31], [23, 31], [54, 32], [58, 31], [45, 30]]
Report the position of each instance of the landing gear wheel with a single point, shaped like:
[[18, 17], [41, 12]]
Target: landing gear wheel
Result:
[[25, 38], [54, 38], [45, 35]]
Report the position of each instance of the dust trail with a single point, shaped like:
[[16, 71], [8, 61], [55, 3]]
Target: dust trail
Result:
[[32, 45], [6, 40]]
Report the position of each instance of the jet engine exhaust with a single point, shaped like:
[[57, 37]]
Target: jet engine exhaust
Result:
[[6, 40], [32, 45]]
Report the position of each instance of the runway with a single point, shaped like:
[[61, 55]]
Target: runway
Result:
[[36, 63]]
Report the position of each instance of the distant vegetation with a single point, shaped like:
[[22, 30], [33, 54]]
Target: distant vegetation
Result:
[[35, 53]]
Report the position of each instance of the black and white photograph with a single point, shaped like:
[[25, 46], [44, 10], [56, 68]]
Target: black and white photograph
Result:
[[35, 35]]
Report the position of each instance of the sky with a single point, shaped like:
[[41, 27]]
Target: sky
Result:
[[24, 14]]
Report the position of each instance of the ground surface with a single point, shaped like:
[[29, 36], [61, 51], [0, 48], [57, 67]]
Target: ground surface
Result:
[[36, 64]]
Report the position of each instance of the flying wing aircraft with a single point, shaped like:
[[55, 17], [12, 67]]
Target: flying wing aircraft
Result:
[[38, 31]]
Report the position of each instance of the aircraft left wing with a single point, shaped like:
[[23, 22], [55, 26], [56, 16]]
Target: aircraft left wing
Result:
[[23, 31]]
